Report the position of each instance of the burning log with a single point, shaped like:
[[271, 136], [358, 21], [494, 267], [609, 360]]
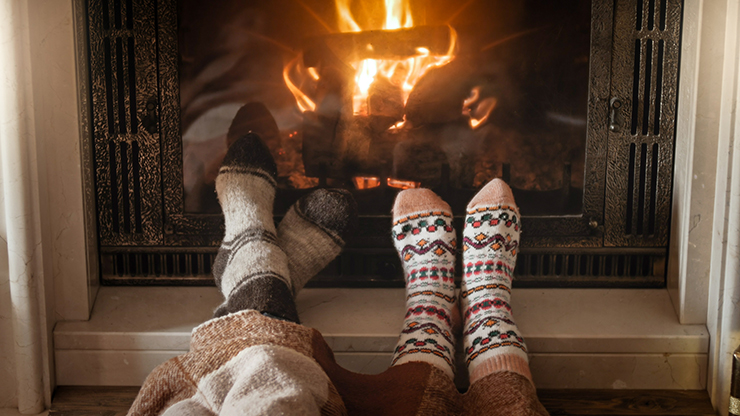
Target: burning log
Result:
[[319, 155], [419, 160], [337, 142], [355, 135], [385, 99], [321, 143], [333, 92], [377, 44], [438, 96]]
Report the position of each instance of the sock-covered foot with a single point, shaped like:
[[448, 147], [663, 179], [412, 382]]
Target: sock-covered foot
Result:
[[314, 230], [251, 269], [425, 240], [490, 244]]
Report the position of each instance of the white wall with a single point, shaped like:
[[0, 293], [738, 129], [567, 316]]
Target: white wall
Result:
[[58, 132], [697, 127], [723, 312], [64, 283]]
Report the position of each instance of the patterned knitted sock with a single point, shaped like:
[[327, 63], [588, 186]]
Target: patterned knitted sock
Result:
[[490, 244], [250, 268], [313, 232], [425, 240]]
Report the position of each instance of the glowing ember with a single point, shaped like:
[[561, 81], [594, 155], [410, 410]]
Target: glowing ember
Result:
[[397, 183], [366, 182]]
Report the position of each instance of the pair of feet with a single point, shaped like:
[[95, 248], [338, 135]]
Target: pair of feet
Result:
[[262, 267], [426, 241]]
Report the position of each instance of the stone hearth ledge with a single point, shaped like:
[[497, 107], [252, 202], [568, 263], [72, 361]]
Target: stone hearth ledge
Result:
[[578, 338]]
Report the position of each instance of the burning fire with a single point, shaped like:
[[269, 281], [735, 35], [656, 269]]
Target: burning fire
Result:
[[402, 73], [478, 109]]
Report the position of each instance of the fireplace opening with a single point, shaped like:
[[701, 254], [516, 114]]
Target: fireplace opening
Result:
[[375, 97], [572, 103]]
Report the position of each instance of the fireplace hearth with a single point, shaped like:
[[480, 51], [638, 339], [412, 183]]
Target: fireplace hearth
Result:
[[573, 105]]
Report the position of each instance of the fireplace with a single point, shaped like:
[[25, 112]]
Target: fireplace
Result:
[[573, 105]]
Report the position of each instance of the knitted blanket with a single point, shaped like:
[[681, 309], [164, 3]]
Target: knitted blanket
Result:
[[248, 364]]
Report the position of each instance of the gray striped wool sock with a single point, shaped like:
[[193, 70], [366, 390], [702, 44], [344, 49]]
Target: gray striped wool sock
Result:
[[257, 268], [251, 269], [313, 232]]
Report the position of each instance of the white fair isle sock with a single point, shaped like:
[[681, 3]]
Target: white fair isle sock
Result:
[[425, 240], [490, 243], [251, 269]]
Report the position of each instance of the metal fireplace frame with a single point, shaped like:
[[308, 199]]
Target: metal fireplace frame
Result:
[[619, 240]]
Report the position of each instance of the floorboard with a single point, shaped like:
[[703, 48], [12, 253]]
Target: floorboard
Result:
[[626, 402], [115, 401]]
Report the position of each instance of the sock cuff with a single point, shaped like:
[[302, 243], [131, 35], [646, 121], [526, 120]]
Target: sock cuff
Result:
[[429, 358], [263, 293], [514, 363]]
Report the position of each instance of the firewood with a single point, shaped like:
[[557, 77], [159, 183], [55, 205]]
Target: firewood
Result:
[[333, 92], [418, 160], [320, 145], [376, 44], [355, 136], [438, 95], [385, 99]]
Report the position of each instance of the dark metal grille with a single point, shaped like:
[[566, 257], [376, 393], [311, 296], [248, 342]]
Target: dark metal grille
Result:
[[379, 268], [192, 266], [646, 47]]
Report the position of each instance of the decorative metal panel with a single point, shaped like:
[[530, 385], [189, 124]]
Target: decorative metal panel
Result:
[[642, 122], [123, 67]]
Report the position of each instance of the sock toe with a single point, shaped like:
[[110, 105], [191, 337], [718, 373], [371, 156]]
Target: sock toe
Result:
[[253, 117], [496, 192], [416, 200], [333, 210], [249, 152]]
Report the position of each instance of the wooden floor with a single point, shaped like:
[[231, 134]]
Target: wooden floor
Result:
[[115, 401]]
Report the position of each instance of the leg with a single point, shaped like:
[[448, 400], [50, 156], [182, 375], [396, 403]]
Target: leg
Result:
[[490, 244], [251, 269], [257, 267], [425, 240]]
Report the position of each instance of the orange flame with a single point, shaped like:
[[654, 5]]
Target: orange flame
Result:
[[303, 101], [404, 73], [478, 109]]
